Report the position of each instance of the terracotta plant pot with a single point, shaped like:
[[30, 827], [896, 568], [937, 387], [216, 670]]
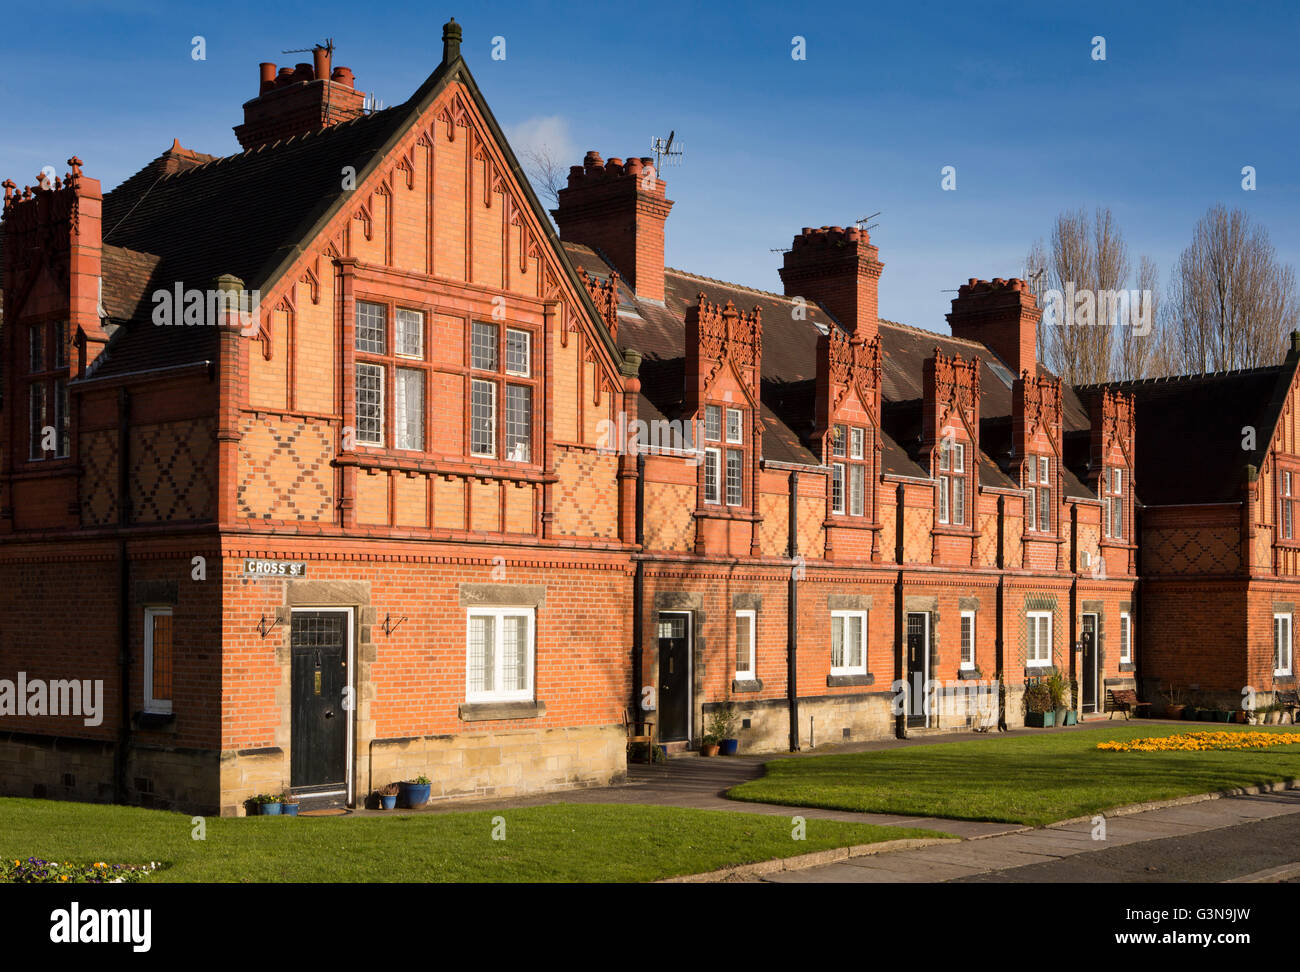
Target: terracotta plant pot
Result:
[[1174, 711], [708, 749]]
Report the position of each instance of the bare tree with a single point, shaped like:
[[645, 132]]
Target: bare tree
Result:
[[1139, 353], [1231, 303], [1035, 275], [547, 173]]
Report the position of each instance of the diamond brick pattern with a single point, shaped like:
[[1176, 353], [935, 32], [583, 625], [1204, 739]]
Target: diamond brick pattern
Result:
[[171, 471], [284, 470]]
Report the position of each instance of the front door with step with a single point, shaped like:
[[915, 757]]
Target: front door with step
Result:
[[674, 676], [321, 705]]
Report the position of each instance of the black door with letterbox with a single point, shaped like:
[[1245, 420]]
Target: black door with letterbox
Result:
[[918, 667], [319, 676], [1088, 675], [674, 677]]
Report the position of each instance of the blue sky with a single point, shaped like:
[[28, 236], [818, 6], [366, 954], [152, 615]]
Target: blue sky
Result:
[[889, 94]]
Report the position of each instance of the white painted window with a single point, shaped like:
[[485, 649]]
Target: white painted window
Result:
[[1031, 517], [1038, 646], [1282, 655], [370, 404], [518, 352], [712, 461], [735, 477], [1288, 525], [519, 422], [837, 487], [967, 639], [1125, 638], [410, 409], [1044, 470], [945, 489], [712, 422], [857, 489], [848, 642], [838, 444], [857, 438], [371, 328], [483, 346], [158, 655], [735, 430], [410, 334], [483, 418], [746, 624], [500, 648]]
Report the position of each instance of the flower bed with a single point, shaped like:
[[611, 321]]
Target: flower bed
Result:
[[1182, 742], [36, 871]]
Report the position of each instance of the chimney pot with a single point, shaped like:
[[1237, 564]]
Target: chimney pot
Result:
[[843, 278], [343, 75], [321, 62], [265, 77]]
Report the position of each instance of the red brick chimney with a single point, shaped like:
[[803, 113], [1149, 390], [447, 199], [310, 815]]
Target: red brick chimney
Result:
[[619, 209], [300, 99], [1002, 315], [840, 270]]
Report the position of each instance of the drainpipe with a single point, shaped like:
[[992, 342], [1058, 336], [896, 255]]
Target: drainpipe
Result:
[[900, 647], [123, 596], [1074, 607], [1135, 615], [792, 615], [638, 592], [999, 644]]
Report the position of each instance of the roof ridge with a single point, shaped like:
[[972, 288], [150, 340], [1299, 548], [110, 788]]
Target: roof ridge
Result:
[[1195, 376], [939, 334], [728, 283]]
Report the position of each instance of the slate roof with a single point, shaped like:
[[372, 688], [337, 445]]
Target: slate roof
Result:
[[788, 390], [1208, 412]]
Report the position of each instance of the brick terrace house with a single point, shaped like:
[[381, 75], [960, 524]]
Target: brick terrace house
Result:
[[390, 528]]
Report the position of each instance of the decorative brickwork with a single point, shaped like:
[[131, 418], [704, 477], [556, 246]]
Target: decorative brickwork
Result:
[[285, 469]]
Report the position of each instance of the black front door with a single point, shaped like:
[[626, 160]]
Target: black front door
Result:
[[1088, 677], [674, 677], [918, 663], [319, 675]]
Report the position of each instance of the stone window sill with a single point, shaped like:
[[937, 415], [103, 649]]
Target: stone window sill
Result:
[[491, 711], [968, 674], [747, 685], [848, 681], [1127, 667]]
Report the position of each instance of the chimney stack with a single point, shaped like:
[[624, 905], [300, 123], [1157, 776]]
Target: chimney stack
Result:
[[619, 209], [299, 99], [1001, 314], [840, 269]]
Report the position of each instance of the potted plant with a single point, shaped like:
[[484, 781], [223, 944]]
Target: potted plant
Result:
[[387, 796], [721, 726], [1039, 711], [1173, 696], [708, 744], [415, 793], [268, 804], [289, 803], [1058, 691]]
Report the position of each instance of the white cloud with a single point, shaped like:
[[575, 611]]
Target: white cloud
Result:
[[544, 134]]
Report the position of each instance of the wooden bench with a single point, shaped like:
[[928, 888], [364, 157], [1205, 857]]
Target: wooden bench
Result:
[[1123, 700], [1289, 701], [640, 732]]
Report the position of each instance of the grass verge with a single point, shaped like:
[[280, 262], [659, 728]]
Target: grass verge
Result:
[[1030, 779], [561, 842]]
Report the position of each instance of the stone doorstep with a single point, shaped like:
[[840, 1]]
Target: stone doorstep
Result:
[[815, 859]]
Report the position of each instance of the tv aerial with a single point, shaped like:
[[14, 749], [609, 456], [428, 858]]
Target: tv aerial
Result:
[[328, 47], [668, 151], [866, 219]]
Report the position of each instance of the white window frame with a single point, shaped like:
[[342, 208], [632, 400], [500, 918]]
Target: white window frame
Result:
[[713, 459], [528, 352], [966, 663], [857, 443], [713, 423], [739, 454], [1287, 525], [838, 473], [1032, 519], [383, 391], [863, 617], [403, 413], [739, 417], [160, 706], [945, 490], [747, 674], [1032, 621], [1125, 638], [857, 488], [839, 441], [406, 314], [491, 418], [498, 614], [1289, 667]]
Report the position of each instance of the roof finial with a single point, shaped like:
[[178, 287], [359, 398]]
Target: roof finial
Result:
[[451, 36]]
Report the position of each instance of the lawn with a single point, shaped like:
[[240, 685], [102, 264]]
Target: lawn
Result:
[[1030, 779], [562, 842]]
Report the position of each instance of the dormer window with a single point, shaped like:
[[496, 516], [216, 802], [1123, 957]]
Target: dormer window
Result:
[[724, 464], [952, 482], [849, 478], [496, 354], [1038, 512], [47, 392], [1113, 497]]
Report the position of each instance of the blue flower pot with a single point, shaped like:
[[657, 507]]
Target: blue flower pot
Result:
[[388, 802], [415, 795], [291, 809], [271, 809], [728, 747]]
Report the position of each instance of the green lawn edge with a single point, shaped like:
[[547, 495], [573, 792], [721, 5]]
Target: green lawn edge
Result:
[[1031, 780], [563, 842]]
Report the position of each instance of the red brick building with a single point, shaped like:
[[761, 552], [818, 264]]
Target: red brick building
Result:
[[315, 457]]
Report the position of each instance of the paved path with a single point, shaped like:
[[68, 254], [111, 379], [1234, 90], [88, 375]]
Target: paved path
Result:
[[1056, 852]]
